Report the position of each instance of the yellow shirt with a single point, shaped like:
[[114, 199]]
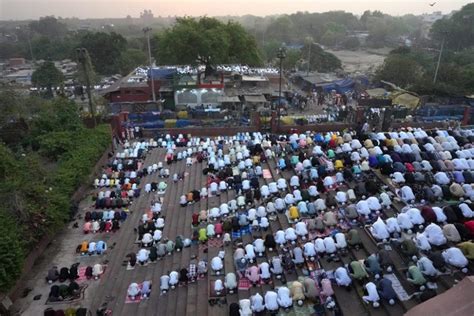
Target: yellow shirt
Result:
[[339, 164], [294, 214]]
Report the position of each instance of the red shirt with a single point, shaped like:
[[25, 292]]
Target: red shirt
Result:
[[470, 226]]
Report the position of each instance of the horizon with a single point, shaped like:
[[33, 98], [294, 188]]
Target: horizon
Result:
[[17, 10]]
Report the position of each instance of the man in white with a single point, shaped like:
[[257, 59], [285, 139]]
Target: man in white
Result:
[[133, 290], [363, 208], [329, 245], [174, 279], [455, 257], [342, 277], [309, 250], [280, 237], [142, 256], [301, 230], [284, 298], [147, 240], [264, 271], [249, 253], [218, 286], [276, 268], [435, 235], [341, 242], [295, 182], [404, 221], [217, 265], [271, 301], [406, 194], [374, 204], [281, 184], [422, 242], [230, 282], [265, 192], [373, 295], [466, 210], [379, 230], [392, 225], [257, 303], [259, 246], [290, 235], [415, 216], [426, 266], [319, 245]]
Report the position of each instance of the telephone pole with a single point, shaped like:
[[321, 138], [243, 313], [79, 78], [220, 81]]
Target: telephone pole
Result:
[[147, 30]]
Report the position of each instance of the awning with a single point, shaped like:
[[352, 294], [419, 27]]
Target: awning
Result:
[[255, 98], [226, 99]]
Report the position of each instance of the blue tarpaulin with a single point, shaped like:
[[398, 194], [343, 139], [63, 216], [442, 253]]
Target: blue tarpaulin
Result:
[[163, 73], [341, 86]]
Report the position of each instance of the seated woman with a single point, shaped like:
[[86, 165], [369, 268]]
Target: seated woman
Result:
[[133, 290]]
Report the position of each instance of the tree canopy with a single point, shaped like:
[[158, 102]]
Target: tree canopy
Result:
[[458, 30], [47, 76], [206, 37]]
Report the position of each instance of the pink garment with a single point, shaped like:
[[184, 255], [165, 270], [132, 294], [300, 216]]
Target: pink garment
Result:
[[327, 287], [253, 274]]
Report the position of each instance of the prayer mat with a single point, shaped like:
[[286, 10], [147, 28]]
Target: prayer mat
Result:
[[397, 287], [212, 292], [129, 267], [199, 278], [70, 299], [202, 247], [236, 235], [137, 299], [82, 274], [215, 243], [262, 282], [315, 276], [244, 284], [267, 174], [246, 230]]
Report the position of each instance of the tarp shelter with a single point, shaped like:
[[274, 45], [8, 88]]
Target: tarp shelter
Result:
[[457, 301], [226, 99], [162, 73], [341, 86], [376, 93], [405, 99], [255, 99]]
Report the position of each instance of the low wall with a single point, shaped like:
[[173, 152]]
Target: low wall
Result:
[[200, 131], [41, 246], [320, 127]]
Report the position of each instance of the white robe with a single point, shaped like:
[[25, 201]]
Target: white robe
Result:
[[329, 245], [257, 303], [379, 230], [455, 257], [284, 298], [319, 245], [341, 242], [373, 295], [301, 229], [342, 277], [435, 235]]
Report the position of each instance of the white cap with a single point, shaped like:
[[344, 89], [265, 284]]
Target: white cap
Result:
[[376, 304], [391, 301]]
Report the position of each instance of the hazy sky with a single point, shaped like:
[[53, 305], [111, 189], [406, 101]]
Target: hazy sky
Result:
[[32, 9]]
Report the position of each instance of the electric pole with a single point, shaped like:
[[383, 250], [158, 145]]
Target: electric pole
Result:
[[147, 30]]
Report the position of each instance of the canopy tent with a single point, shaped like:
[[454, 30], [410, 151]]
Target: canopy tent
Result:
[[456, 301], [226, 99], [341, 86], [405, 99], [162, 73], [255, 98]]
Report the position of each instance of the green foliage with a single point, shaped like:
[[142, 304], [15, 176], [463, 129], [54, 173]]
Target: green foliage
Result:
[[208, 38], [415, 69], [130, 59], [400, 70], [11, 251], [49, 26], [47, 76], [293, 58], [458, 30], [351, 43], [37, 182], [105, 50], [321, 60]]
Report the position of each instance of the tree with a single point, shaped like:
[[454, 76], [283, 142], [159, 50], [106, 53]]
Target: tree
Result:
[[130, 59], [400, 70], [47, 76], [105, 50], [292, 59], [208, 38], [458, 30], [321, 60], [351, 43], [49, 26]]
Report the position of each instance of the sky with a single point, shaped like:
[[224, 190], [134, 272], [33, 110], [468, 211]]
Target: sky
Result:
[[33, 9]]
